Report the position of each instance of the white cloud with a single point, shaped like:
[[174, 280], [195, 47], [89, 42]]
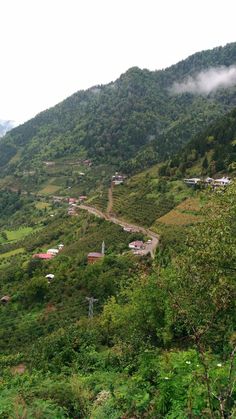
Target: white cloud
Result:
[[207, 81]]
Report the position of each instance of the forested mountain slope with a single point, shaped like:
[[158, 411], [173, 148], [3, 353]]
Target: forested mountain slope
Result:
[[210, 152], [139, 112], [5, 126]]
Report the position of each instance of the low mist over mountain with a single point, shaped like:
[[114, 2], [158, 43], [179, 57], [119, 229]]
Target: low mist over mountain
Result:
[[141, 118], [6, 126], [118, 272]]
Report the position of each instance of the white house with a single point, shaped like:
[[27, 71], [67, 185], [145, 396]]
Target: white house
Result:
[[50, 277], [192, 181], [53, 251], [224, 181]]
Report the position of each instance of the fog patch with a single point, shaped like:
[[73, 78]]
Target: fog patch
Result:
[[207, 81]]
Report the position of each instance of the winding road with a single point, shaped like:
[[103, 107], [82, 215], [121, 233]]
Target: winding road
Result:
[[148, 247]]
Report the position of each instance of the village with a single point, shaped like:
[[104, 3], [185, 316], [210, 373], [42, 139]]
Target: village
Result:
[[208, 181], [136, 247]]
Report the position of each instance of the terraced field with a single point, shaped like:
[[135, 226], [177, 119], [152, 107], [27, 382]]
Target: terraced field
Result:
[[186, 213], [143, 199], [49, 189], [100, 200]]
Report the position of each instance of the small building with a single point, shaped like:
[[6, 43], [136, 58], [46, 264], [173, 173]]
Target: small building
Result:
[[192, 181], [60, 246], [72, 201], [82, 198], [136, 245], [53, 251], [94, 257], [50, 277], [117, 182], [46, 256], [117, 179], [127, 229], [224, 181], [87, 162], [49, 163], [5, 299]]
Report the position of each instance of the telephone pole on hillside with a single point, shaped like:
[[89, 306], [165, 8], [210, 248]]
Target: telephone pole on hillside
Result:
[[91, 301]]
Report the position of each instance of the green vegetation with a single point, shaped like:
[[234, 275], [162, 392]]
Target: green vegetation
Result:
[[186, 213], [160, 341], [18, 234], [12, 253], [210, 152], [129, 124], [145, 197], [152, 348], [42, 205], [49, 189]]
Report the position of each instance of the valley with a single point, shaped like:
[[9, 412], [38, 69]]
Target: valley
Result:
[[117, 256]]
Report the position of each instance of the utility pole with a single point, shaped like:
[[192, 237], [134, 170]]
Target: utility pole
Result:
[[91, 301], [103, 247]]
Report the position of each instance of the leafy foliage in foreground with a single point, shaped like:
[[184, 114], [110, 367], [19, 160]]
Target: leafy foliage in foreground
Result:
[[161, 343]]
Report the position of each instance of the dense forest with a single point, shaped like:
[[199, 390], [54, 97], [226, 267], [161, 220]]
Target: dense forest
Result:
[[137, 112], [210, 152]]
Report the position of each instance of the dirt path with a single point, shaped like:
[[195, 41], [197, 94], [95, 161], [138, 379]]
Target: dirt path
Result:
[[149, 247], [110, 200]]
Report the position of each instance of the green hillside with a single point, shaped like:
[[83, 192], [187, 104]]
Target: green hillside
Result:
[[147, 334], [210, 152], [162, 333], [131, 123]]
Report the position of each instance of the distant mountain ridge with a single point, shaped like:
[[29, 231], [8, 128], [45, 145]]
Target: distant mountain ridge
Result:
[[132, 123], [6, 126]]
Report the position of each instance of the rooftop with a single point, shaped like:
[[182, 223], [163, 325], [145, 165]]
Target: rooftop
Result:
[[43, 256], [95, 255]]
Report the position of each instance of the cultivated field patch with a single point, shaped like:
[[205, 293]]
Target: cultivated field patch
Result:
[[186, 213]]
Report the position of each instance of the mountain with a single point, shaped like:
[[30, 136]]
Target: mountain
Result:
[[135, 334], [5, 126], [210, 152], [139, 119]]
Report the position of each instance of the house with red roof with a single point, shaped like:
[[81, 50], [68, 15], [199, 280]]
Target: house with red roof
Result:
[[46, 256], [94, 257], [136, 245]]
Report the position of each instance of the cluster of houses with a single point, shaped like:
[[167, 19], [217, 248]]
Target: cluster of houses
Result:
[[72, 204], [50, 254], [195, 181]]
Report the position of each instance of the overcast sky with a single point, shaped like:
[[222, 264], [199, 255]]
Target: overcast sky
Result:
[[52, 48]]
